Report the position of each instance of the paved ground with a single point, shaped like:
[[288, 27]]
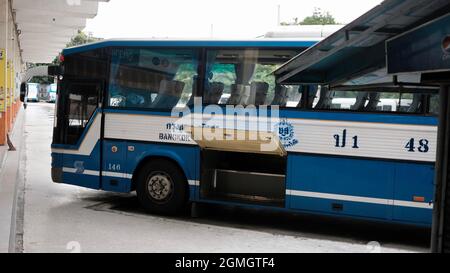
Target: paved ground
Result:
[[62, 218], [9, 171]]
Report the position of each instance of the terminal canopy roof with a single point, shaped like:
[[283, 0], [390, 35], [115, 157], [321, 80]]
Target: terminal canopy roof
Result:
[[356, 54], [46, 26]]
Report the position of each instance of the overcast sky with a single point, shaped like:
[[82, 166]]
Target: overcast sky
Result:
[[200, 18]]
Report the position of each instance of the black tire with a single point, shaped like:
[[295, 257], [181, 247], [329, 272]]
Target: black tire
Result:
[[157, 174]]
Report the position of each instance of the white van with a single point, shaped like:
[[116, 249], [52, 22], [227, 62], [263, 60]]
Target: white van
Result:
[[33, 92]]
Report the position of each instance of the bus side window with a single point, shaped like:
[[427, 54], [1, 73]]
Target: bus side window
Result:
[[347, 100], [433, 107], [81, 101], [378, 101], [245, 77], [158, 79], [187, 75]]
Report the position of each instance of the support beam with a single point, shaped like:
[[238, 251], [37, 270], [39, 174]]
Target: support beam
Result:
[[440, 240]]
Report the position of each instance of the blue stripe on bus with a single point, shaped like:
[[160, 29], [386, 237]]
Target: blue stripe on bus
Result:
[[349, 208], [319, 115], [362, 117], [191, 43], [137, 112]]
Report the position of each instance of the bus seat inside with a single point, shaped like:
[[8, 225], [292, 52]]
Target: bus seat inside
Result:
[[259, 91], [308, 95], [214, 93], [374, 100], [239, 94], [281, 96], [361, 100], [326, 98], [416, 103], [169, 94]]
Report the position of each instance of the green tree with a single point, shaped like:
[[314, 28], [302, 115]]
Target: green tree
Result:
[[82, 38], [319, 17]]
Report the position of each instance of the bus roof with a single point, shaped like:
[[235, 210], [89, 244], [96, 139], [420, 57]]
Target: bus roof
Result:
[[260, 42]]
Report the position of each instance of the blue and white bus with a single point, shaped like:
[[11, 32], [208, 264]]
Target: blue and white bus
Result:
[[52, 93], [115, 130]]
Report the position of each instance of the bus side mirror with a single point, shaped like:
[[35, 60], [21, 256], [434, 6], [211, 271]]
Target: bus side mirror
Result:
[[23, 91], [54, 70]]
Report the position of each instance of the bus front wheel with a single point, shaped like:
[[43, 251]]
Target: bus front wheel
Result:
[[161, 187]]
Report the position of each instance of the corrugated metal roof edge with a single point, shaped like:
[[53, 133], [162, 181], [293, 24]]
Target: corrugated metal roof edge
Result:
[[382, 8], [264, 42]]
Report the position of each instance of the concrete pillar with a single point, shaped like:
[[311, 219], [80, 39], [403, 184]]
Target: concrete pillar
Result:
[[10, 67], [9, 50], [4, 12], [440, 242]]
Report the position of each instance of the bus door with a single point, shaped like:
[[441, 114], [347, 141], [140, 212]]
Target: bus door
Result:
[[80, 119]]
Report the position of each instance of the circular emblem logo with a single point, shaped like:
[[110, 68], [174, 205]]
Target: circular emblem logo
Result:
[[286, 133], [446, 45]]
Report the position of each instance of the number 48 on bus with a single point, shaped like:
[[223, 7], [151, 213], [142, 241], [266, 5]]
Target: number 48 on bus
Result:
[[421, 148]]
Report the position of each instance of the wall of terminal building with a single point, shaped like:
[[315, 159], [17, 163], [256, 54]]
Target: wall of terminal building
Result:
[[11, 68]]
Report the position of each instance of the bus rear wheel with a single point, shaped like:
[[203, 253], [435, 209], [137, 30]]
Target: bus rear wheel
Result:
[[161, 187]]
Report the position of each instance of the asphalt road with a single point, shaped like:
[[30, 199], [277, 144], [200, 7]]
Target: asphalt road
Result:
[[63, 218]]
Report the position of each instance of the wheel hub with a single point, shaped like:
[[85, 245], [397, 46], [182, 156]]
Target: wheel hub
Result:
[[159, 186]]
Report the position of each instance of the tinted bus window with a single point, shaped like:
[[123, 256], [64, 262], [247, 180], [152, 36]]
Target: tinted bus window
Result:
[[84, 75], [434, 104], [81, 101], [159, 79], [376, 101], [87, 65], [244, 77]]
